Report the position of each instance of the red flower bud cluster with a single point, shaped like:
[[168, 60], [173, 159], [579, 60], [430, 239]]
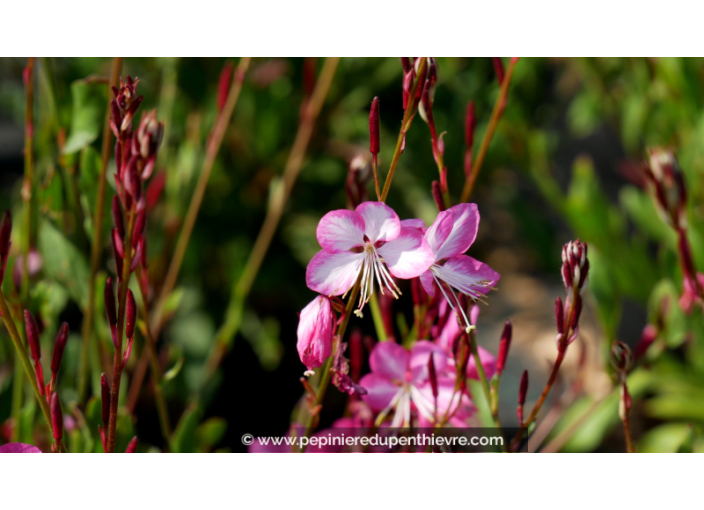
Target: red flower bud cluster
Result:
[[575, 269]]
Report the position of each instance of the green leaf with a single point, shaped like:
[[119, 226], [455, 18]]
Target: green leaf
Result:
[[184, 439], [64, 262], [263, 336], [89, 102], [667, 438], [210, 432]]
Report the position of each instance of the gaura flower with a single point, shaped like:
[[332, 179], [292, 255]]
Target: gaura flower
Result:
[[399, 380], [450, 235], [315, 329], [369, 241], [19, 448]]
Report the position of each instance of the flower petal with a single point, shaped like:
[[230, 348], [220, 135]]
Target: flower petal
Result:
[[332, 274], [380, 391], [407, 256], [426, 280], [390, 360], [467, 275], [439, 231], [381, 223], [464, 230], [420, 355], [19, 448], [340, 230], [315, 333], [415, 223]]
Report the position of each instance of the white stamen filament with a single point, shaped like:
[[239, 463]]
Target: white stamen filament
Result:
[[441, 275], [374, 265]]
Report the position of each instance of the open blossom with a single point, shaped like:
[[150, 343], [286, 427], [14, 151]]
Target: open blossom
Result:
[[450, 235], [399, 380], [369, 241], [19, 448], [315, 332]]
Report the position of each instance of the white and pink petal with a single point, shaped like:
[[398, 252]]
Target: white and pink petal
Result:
[[381, 223], [333, 274], [408, 256], [340, 230]]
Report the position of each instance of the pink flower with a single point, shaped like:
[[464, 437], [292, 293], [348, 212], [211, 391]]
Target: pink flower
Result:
[[399, 380], [19, 448], [315, 332], [368, 241], [450, 235]]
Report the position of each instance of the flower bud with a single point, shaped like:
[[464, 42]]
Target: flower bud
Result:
[[575, 265], [57, 417], [110, 302], [5, 231], [559, 315], [668, 186], [315, 332], [504, 345], [406, 64], [523, 390], [117, 243], [621, 358], [437, 196], [499, 69], [139, 227], [117, 216], [374, 127], [432, 376], [132, 447], [131, 314], [59, 347], [647, 337], [32, 335], [105, 394]]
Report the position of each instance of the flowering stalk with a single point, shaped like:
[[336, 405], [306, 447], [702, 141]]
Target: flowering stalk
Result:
[[504, 345], [496, 114], [411, 107], [374, 143], [280, 196], [28, 184], [97, 244], [622, 360]]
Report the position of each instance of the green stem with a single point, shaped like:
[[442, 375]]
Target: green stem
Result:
[[28, 185], [378, 319], [482, 377]]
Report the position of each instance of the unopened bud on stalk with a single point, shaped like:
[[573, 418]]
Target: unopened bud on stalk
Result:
[[128, 352], [425, 108], [499, 69], [57, 418], [59, 347], [132, 447], [668, 186], [5, 231], [374, 127], [224, 84], [117, 216], [575, 265], [576, 312], [437, 196], [117, 243], [621, 357], [131, 314], [105, 395], [647, 337], [432, 376], [559, 315], [504, 345], [522, 391], [139, 227], [406, 64], [32, 335], [110, 302]]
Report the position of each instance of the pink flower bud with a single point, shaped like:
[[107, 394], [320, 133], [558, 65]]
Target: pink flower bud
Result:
[[105, 394], [315, 332], [32, 335], [560, 315], [621, 357], [224, 84], [647, 337], [504, 345], [109, 294], [470, 123], [499, 69], [406, 64], [432, 376], [118, 243], [437, 196], [59, 347], [117, 216], [131, 314], [57, 417], [132, 447], [374, 127]]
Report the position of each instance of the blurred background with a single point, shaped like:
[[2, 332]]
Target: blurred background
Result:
[[563, 163]]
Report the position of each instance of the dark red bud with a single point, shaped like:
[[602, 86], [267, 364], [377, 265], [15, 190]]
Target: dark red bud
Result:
[[131, 315], [57, 418], [560, 315], [105, 394], [499, 69], [374, 127], [432, 376], [469, 124], [154, 189], [437, 196], [504, 346], [5, 231], [224, 84], [59, 347], [128, 352], [650, 333], [32, 335], [406, 63], [132, 447], [117, 216], [139, 227], [523, 390], [39, 374], [117, 243], [110, 302], [576, 312]]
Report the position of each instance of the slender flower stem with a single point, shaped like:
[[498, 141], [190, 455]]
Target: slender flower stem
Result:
[[496, 114], [22, 354], [325, 381], [97, 244], [122, 305], [378, 319], [408, 116], [624, 409], [215, 141], [28, 185], [483, 379], [279, 198]]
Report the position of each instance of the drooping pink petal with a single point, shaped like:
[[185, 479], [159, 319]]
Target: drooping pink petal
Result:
[[414, 223], [407, 256], [420, 355], [19, 448], [464, 230], [381, 223], [439, 231], [389, 360], [333, 274], [315, 333], [340, 230], [488, 362], [467, 275], [380, 390], [426, 280]]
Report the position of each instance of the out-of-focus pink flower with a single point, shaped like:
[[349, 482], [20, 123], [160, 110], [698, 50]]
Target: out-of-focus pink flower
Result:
[[370, 241], [34, 265], [19, 448], [315, 332], [450, 235], [399, 380]]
